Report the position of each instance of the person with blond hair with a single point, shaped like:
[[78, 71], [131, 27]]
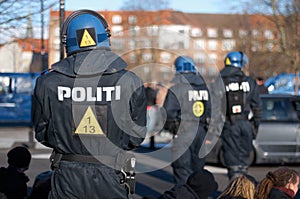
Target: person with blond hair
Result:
[[241, 187], [281, 183]]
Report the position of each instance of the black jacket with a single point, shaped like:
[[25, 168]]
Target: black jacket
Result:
[[278, 194], [89, 106], [183, 191], [187, 89], [94, 80], [13, 183], [253, 102]]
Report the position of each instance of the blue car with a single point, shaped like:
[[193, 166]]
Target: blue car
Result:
[[15, 98]]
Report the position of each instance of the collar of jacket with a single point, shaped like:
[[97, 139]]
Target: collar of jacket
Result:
[[188, 78], [229, 71], [98, 61], [288, 192]]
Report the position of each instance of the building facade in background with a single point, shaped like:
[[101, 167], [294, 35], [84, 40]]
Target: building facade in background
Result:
[[24, 55], [153, 39]]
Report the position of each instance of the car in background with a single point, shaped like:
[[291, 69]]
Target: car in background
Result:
[[278, 136], [15, 98]]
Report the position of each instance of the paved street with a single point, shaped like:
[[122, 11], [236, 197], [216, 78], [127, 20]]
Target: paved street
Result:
[[153, 182]]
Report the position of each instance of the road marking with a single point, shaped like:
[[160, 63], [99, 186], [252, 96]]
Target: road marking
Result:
[[216, 170], [41, 156]]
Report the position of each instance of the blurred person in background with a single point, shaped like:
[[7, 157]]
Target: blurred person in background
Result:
[[187, 106], [260, 82], [242, 97], [281, 183], [13, 180]]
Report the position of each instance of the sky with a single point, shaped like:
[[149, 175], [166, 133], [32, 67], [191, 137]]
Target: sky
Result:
[[192, 6]]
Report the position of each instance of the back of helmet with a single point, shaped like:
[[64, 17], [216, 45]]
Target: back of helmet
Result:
[[184, 64], [236, 59], [84, 30]]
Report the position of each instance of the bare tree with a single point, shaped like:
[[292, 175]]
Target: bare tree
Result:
[[14, 15], [285, 19], [146, 5]]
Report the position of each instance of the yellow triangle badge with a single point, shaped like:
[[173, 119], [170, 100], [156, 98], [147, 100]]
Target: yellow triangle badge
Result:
[[87, 39], [227, 62], [89, 124]]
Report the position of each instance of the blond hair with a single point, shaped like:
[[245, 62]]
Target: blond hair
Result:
[[240, 187]]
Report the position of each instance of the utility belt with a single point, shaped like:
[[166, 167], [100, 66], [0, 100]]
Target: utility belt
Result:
[[123, 163]]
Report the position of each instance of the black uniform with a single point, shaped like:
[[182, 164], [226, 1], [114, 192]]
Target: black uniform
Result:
[[187, 105], [13, 183], [242, 97], [90, 109]]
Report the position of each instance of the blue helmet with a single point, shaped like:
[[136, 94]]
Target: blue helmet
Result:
[[236, 59], [84, 30], [184, 64]]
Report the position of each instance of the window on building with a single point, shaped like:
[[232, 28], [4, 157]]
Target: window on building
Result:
[[134, 31], [212, 32], [269, 46], [199, 44], [165, 57], [132, 58], [181, 45], [117, 30], [57, 32], [212, 44], [255, 33], [173, 40], [181, 31], [228, 44], [212, 71], [116, 19], [117, 43], [199, 58], [196, 32], [132, 19], [147, 57], [132, 44], [56, 56], [269, 34], [146, 43], [227, 33], [56, 44], [243, 33], [212, 58], [256, 46], [152, 30]]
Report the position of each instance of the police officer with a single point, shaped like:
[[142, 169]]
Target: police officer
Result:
[[242, 96], [187, 106], [91, 111]]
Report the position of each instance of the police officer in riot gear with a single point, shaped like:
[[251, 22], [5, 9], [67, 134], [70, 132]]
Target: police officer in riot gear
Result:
[[187, 106], [91, 111], [242, 97]]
